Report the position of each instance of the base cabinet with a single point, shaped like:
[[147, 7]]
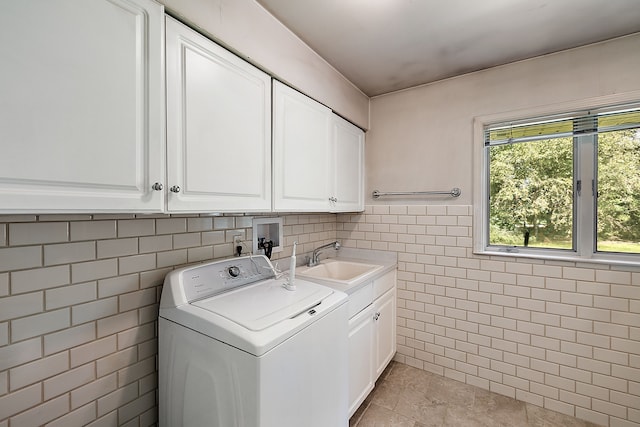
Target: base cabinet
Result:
[[360, 357], [372, 341], [384, 336]]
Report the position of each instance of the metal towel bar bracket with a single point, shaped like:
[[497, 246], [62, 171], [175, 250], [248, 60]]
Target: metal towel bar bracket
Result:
[[454, 192]]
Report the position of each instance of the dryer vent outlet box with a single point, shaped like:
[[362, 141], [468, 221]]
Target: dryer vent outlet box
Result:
[[271, 230]]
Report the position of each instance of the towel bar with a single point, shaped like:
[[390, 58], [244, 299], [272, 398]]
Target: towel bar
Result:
[[454, 192]]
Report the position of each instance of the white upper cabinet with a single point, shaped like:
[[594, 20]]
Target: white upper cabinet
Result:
[[81, 106], [348, 166], [301, 152], [87, 123], [218, 127], [318, 157]]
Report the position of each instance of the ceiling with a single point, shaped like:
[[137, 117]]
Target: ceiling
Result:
[[386, 45]]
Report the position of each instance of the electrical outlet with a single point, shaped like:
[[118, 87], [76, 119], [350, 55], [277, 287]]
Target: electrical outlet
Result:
[[237, 245]]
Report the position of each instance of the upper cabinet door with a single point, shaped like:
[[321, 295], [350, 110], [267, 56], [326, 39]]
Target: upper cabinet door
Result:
[[81, 106], [348, 166], [301, 152], [218, 127]]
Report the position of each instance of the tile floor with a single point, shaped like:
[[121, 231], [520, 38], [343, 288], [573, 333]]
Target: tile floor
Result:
[[409, 397]]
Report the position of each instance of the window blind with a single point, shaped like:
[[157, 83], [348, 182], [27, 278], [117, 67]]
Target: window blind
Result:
[[571, 125]]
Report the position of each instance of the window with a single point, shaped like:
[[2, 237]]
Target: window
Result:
[[564, 185]]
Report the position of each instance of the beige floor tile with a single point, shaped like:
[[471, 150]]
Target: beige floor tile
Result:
[[540, 417], [386, 395], [452, 393], [407, 396], [501, 410], [421, 408], [376, 416], [402, 376]]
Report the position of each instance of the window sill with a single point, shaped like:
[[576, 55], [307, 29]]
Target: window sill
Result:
[[613, 260]]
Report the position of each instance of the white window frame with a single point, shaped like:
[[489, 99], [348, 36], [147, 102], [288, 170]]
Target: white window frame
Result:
[[584, 216]]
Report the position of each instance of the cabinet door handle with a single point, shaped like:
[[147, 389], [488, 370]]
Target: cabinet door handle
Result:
[[376, 316], [157, 186], [175, 189]]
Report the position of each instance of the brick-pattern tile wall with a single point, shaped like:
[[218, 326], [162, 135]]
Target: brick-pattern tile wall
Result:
[[562, 335], [79, 304], [79, 295]]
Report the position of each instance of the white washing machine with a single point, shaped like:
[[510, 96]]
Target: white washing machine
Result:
[[236, 348]]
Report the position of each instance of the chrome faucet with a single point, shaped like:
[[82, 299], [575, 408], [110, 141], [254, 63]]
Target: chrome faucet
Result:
[[316, 252]]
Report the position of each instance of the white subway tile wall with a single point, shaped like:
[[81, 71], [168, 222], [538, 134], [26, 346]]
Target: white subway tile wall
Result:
[[562, 335], [79, 297], [79, 301]]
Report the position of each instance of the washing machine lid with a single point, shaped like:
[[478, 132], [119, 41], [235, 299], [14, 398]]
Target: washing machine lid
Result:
[[265, 304]]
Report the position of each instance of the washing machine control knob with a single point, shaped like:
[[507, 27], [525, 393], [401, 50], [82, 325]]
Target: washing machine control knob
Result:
[[233, 271]]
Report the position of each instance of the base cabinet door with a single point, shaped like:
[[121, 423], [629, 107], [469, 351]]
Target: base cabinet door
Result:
[[218, 127], [385, 330], [361, 358], [301, 152], [347, 166], [82, 106]]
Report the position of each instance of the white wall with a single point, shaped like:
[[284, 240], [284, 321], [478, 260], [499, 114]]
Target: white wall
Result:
[[249, 30], [421, 138], [562, 335]]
